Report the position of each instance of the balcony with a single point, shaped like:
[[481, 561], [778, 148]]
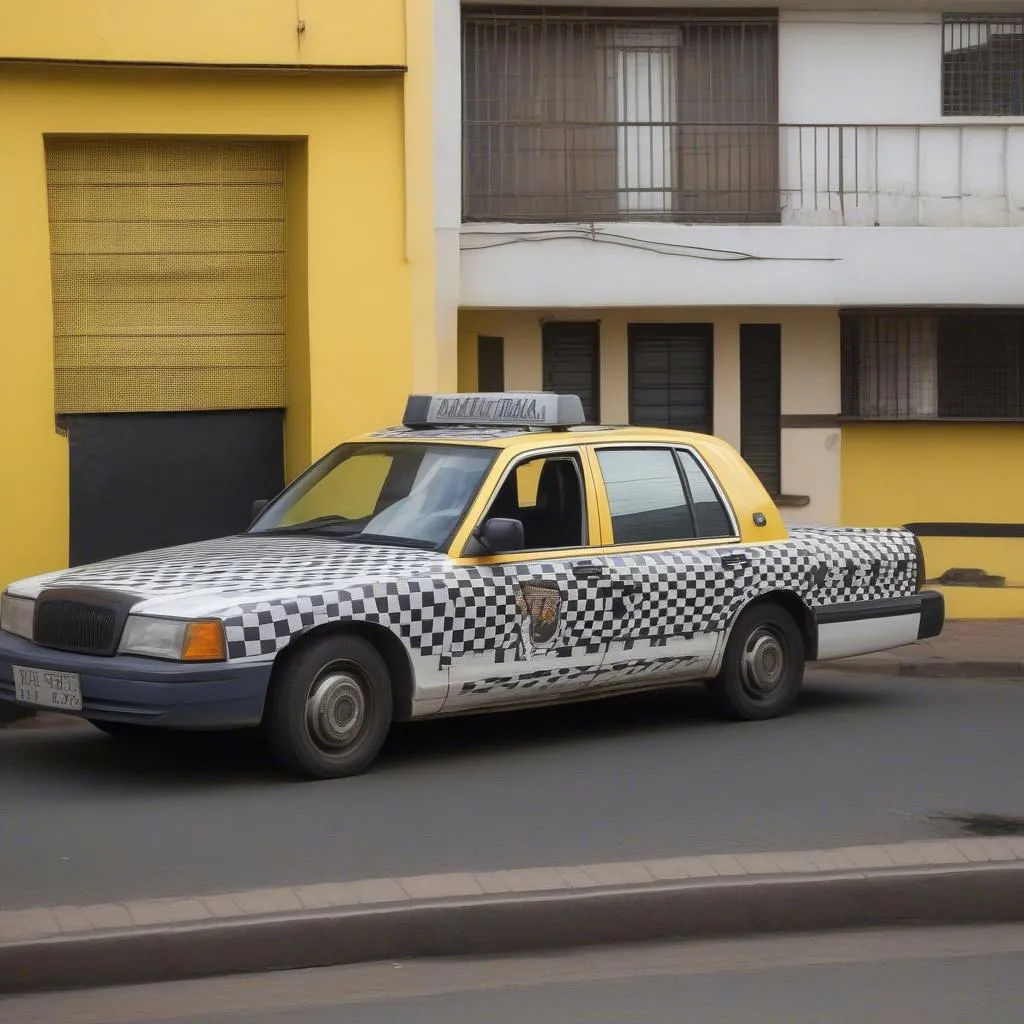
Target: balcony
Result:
[[943, 175]]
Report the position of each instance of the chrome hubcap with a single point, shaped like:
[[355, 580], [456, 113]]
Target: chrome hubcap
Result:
[[336, 709], [764, 662]]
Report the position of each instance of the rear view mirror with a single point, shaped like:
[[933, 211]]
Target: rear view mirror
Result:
[[497, 536]]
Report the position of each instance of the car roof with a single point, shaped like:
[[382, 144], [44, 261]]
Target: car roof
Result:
[[525, 438]]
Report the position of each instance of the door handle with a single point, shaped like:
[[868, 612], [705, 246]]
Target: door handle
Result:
[[734, 561], [588, 570]]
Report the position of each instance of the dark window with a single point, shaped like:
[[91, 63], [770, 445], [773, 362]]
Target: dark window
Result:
[[490, 364], [670, 375], [711, 515], [933, 366], [983, 65], [761, 401], [597, 114], [571, 359], [545, 494], [646, 496]]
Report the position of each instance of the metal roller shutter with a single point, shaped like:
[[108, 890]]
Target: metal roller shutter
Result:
[[571, 362], [761, 401], [169, 274], [670, 375]]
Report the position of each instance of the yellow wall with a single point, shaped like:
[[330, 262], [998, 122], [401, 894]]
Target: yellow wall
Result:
[[348, 173], [944, 472], [206, 31]]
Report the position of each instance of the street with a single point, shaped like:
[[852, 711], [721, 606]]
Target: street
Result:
[[862, 761], [899, 976]]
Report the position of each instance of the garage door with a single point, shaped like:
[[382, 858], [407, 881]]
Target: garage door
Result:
[[571, 354], [670, 375], [169, 290], [169, 274]]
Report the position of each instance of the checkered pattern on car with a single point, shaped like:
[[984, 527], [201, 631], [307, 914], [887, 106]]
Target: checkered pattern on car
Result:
[[275, 588], [235, 566], [447, 611]]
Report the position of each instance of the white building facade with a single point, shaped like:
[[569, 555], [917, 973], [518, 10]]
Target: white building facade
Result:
[[801, 229]]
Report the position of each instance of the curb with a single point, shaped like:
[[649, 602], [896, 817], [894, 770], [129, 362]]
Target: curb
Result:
[[501, 912], [937, 669]]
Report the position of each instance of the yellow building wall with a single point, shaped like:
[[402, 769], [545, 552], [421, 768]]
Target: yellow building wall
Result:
[[944, 472], [349, 265], [311, 32]]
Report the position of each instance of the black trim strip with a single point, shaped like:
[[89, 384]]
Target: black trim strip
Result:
[[860, 611], [809, 421], [1001, 530]]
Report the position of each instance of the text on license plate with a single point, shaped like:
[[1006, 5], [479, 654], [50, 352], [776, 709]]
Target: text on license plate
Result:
[[57, 690]]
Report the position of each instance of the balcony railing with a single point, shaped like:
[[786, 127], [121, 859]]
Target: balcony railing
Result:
[[745, 173]]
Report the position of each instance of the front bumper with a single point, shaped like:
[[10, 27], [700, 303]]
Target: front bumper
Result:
[[146, 691]]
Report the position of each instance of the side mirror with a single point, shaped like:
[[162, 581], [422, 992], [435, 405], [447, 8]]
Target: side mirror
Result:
[[497, 536], [257, 509]]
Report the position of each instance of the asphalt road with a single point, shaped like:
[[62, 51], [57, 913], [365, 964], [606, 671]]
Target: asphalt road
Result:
[[942, 976], [84, 819]]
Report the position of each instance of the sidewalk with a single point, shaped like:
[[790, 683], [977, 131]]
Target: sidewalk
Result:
[[966, 648]]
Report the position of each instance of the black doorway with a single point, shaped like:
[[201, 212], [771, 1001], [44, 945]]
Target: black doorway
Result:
[[147, 480]]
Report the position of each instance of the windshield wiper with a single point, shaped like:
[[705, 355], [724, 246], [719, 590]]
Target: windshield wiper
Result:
[[325, 523]]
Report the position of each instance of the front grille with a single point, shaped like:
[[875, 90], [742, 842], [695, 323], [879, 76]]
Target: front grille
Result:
[[75, 626]]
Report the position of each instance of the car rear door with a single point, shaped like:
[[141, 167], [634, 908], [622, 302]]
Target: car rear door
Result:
[[668, 549]]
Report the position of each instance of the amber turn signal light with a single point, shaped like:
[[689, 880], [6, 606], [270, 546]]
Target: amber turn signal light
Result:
[[204, 641]]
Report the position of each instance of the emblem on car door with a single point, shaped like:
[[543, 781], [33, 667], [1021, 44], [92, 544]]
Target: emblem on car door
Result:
[[539, 604]]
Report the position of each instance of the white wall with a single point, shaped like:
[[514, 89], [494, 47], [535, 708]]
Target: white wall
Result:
[[863, 67], [508, 266]]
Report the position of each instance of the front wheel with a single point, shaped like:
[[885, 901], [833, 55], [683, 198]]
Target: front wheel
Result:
[[329, 708], [763, 668]]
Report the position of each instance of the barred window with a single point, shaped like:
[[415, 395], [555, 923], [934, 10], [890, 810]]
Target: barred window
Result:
[[983, 65], [598, 114], [933, 366]]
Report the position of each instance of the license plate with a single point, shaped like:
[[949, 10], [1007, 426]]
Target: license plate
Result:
[[61, 691]]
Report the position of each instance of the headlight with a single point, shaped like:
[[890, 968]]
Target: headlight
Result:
[[174, 639], [16, 615]]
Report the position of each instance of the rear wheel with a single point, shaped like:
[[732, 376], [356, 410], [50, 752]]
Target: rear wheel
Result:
[[763, 667], [329, 708]]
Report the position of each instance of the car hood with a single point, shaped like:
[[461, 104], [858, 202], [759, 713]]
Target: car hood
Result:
[[204, 578]]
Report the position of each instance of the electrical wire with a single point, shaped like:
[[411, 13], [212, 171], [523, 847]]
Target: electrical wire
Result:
[[698, 252]]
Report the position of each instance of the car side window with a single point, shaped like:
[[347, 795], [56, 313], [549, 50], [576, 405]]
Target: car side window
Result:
[[545, 493], [712, 517], [646, 496]]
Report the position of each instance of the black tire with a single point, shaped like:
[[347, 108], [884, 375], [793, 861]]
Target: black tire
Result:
[[329, 708], [763, 668]]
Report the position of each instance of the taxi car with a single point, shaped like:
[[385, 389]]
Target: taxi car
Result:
[[491, 552]]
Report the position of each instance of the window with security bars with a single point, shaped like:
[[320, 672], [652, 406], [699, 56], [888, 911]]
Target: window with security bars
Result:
[[983, 65], [599, 114], [934, 366]]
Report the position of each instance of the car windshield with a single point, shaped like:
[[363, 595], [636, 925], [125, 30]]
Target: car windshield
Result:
[[407, 494]]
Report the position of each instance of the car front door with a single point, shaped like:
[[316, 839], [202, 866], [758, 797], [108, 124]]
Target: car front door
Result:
[[523, 623], [668, 558]]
